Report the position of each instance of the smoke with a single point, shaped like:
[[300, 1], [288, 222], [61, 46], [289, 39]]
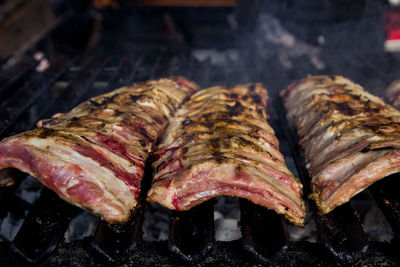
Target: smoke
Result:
[[286, 46]]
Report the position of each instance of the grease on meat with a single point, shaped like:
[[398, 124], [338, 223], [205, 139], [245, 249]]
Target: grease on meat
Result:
[[350, 137], [94, 155], [219, 143]]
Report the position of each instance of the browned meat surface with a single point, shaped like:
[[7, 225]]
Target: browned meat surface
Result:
[[219, 143], [393, 93], [350, 138], [94, 155]]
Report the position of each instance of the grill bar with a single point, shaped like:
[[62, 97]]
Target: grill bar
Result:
[[126, 73], [264, 232], [71, 94], [12, 216], [341, 231], [191, 233], [25, 97], [113, 241], [387, 196], [44, 227], [15, 73]]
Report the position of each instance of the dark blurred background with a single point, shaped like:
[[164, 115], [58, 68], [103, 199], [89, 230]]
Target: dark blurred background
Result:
[[296, 37]]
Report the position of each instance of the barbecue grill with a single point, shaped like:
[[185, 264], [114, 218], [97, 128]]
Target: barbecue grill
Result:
[[90, 52]]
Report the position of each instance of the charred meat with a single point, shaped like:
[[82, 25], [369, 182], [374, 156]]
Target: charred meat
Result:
[[393, 93], [350, 138], [219, 143], [94, 155]]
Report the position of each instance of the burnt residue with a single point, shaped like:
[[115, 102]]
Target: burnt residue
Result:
[[94, 103], [233, 95], [186, 121], [260, 111], [219, 157], [142, 142], [236, 109], [144, 133], [224, 254], [117, 112], [345, 108], [256, 99], [45, 132], [109, 99], [74, 123]]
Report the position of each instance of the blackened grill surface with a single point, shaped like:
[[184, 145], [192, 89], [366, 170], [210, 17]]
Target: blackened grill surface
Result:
[[209, 51]]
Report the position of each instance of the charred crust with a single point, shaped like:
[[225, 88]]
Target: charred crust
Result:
[[233, 95], [236, 109], [214, 142], [45, 132], [256, 99], [186, 121], [219, 157], [135, 98], [144, 132], [74, 123], [142, 142], [117, 112], [252, 87], [109, 99], [260, 111], [345, 108], [94, 103]]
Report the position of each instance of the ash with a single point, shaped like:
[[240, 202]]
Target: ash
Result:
[[83, 225], [226, 217], [308, 233], [156, 223], [25, 196], [372, 219]]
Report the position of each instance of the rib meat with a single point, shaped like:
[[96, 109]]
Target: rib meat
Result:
[[350, 138], [393, 93], [94, 155], [219, 143]]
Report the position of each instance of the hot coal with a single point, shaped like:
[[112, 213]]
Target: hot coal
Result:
[[226, 217], [156, 223], [25, 196], [83, 225]]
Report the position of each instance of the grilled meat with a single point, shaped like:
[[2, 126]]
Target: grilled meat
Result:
[[393, 93], [219, 143], [350, 138], [94, 155]]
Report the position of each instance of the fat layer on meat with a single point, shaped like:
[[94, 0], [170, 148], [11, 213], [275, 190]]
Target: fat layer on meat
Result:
[[350, 138], [220, 143], [94, 155]]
